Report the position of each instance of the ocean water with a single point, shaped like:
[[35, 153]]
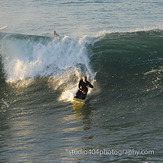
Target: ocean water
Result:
[[117, 44]]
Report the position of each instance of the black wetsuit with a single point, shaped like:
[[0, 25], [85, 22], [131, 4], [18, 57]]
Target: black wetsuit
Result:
[[83, 87]]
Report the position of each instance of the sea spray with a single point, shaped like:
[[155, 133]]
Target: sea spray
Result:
[[25, 58], [62, 60]]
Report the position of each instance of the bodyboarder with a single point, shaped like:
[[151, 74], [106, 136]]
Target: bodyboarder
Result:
[[83, 88]]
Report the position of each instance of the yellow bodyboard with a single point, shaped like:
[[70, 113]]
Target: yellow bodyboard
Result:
[[79, 100], [78, 103]]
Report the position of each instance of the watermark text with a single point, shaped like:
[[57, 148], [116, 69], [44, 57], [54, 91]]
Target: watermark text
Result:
[[115, 152]]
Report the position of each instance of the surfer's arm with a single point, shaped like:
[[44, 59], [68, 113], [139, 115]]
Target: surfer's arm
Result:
[[80, 86], [89, 85]]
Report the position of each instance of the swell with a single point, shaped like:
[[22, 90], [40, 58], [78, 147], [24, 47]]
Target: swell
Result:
[[129, 65], [128, 49], [128, 53]]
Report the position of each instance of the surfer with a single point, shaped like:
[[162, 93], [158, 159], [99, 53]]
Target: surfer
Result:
[[55, 34], [83, 88]]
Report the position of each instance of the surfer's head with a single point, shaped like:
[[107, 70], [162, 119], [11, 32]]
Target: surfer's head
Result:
[[84, 78], [55, 33]]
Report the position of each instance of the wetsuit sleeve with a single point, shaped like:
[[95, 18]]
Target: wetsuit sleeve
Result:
[[90, 85], [79, 85]]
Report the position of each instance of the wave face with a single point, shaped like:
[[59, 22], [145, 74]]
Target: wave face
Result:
[[129, 64], [123, 64]]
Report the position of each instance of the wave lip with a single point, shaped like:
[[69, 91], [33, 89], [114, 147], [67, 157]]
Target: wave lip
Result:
[[29, 57]]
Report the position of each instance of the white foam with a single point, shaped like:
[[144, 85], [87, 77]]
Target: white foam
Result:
[[24, 59], [60, 59], [158, 71], [104, 32]]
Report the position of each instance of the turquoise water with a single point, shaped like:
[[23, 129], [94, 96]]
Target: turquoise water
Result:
[[117, 44]]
